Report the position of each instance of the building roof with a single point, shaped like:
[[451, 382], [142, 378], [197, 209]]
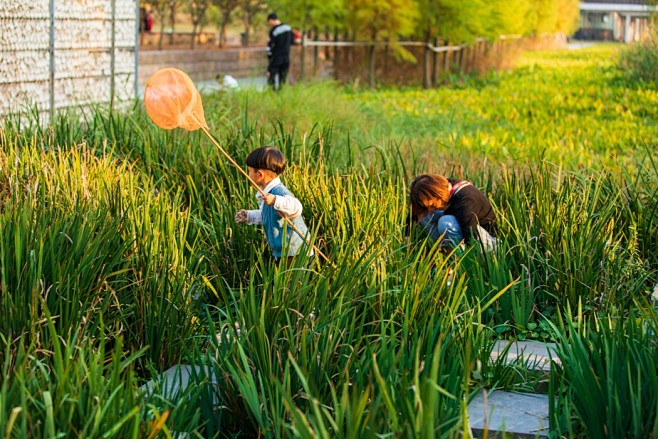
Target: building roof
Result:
[[620, 2], [638, 8]]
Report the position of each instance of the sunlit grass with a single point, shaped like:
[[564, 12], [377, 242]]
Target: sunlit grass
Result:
[[120, 257]]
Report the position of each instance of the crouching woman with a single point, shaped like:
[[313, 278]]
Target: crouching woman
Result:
[[452, 211]]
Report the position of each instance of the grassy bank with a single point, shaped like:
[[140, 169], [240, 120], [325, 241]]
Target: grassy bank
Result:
[[120, 257]]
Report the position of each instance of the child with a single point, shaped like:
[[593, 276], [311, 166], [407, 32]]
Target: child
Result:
[[265, 164], [452, 210], [227, 82]]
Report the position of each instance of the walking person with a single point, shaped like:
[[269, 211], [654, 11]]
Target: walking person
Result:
[[278, 51]]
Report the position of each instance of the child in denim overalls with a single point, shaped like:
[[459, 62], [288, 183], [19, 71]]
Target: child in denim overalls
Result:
[[265, 164]]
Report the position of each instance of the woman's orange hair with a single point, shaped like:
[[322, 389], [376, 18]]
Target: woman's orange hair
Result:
[[428, 192]]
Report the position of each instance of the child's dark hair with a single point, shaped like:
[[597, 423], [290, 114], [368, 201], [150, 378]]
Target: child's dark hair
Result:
[[267, 157]]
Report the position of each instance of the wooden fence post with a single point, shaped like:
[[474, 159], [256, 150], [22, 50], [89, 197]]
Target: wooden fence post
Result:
[[303, 56], [316, 54], [435, 63], [426, 67], [446, 59]]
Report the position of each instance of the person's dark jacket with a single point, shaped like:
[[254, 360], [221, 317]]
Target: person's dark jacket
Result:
[[279, 45], [471, 208]]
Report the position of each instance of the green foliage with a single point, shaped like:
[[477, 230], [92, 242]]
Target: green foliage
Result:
[[607, 370], [567, 16], [570, 108], [78, 387], [463, 21], [120, 257], [309, 14], [640, 60], [453, 20], [512, 17]]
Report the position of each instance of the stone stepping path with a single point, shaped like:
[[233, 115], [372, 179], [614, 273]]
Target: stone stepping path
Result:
[[535, 355], [516, 414], [177, 380]]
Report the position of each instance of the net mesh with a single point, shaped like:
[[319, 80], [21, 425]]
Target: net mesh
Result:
[[172, 101]]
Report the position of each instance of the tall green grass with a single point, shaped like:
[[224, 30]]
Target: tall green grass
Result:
[[120, 257], [641, 60], [606, 383]]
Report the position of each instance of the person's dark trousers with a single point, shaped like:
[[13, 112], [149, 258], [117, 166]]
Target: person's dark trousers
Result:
[[278, 76]]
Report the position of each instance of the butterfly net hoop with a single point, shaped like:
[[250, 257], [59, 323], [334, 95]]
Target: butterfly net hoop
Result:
[[172, 101]]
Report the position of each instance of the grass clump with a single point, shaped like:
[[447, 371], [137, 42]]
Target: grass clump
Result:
[[641, 60], [120, 258]]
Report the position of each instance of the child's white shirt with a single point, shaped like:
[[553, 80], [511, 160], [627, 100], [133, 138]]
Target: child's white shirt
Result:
[[288, 205]]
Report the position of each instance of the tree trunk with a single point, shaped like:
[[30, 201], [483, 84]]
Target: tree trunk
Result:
[[222, 29], [427, 59], [446, 60], [327, 50], [371, 66], [435, 64], [160, 41], [172, 19], [302, 67], [247, 26], [316, 53], [460, 60], [335, 60]]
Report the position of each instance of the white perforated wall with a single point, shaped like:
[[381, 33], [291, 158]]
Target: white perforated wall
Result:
[[82, 51]]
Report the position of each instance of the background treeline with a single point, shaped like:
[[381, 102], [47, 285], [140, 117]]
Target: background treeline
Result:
[[456, 21]]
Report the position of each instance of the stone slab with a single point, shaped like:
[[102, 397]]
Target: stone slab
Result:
[[522, 415], [177, 380], [535, 355]]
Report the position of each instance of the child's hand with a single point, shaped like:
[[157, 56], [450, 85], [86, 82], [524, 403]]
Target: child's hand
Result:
[[241, 216], [269, 199]]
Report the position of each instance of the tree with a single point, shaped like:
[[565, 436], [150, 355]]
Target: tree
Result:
[[310, 15], [382, 20], [542, 17], [249, 10], [462, 21], [511, 17], [568, 16], [159, 8], [197, 9], [173, 6], [226, 8], [428, 30]]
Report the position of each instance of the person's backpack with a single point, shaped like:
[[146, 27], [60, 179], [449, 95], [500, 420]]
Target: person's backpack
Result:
[[296, 37]]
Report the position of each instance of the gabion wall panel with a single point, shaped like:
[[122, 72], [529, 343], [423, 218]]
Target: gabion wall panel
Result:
[[82, 53]]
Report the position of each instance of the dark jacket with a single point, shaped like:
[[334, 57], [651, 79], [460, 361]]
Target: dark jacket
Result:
[[471, 208], [279, 45]]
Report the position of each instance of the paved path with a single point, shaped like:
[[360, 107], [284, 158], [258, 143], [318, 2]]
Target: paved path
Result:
[[575, 45], [517, 414], [255, 83]]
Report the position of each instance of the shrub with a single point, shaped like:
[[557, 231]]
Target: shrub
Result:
[[641, 60]]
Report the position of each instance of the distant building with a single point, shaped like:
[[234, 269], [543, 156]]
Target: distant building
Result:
[[614, 20]]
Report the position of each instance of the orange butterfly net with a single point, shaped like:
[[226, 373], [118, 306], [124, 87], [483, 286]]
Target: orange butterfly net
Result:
[[172, 101]]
